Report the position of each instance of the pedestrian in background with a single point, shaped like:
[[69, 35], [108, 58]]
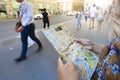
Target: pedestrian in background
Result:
[[99, 18], [92, 12], [27, 28], [86, 15], [46, 17], [78, 16]]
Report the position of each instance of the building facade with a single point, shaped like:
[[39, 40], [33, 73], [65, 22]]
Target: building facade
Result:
[[99, 3], [10, 7], [114, 16], [69, 5], [78, 4], [64, 6]]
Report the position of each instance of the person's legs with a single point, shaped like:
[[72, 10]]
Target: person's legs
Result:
[[32, 35], [85, 18], [90, 23], [24, 37], [24, 41], [78, 23], [44, 24], [93, 19], [100, 24], [48, 24]]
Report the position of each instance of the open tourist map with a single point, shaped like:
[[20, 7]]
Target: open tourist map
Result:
[[62, 40]]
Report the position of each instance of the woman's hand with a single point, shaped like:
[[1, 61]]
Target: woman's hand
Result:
[[66, 71], [76, 40]]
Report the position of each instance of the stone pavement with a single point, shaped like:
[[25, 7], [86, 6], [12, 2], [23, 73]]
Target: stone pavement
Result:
[[100, 36], [42, 65]]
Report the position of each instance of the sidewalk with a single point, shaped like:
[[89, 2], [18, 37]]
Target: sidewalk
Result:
[[42, 65], [100, 36]]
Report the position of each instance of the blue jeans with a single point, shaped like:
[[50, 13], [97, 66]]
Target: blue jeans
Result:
[[28, 30]]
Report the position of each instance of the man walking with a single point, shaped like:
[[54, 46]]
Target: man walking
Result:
[[93, 12], [27, 28]]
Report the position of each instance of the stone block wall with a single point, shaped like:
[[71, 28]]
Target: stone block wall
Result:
[[115, 20]]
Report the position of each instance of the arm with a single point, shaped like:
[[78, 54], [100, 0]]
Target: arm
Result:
[[77, 40], [90, 45], [48, 16], [27, 18], [84, 42]]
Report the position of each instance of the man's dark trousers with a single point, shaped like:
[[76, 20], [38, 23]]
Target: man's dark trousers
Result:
[[28, 30]]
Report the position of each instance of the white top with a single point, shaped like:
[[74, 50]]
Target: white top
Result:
[[93, 12], [27, 16]]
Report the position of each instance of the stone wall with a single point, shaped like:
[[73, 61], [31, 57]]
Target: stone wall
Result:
[[114, 20]]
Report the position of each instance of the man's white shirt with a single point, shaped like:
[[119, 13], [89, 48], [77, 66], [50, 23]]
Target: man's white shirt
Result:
[[93, 12], [27, 16]]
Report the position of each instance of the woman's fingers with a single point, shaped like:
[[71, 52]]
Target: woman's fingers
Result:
[[60, 63]]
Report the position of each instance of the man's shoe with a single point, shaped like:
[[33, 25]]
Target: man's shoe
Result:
[[39, 48], [20, 59]]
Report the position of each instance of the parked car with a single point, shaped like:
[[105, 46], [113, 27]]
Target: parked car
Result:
[[38, 16], [71, 13]]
